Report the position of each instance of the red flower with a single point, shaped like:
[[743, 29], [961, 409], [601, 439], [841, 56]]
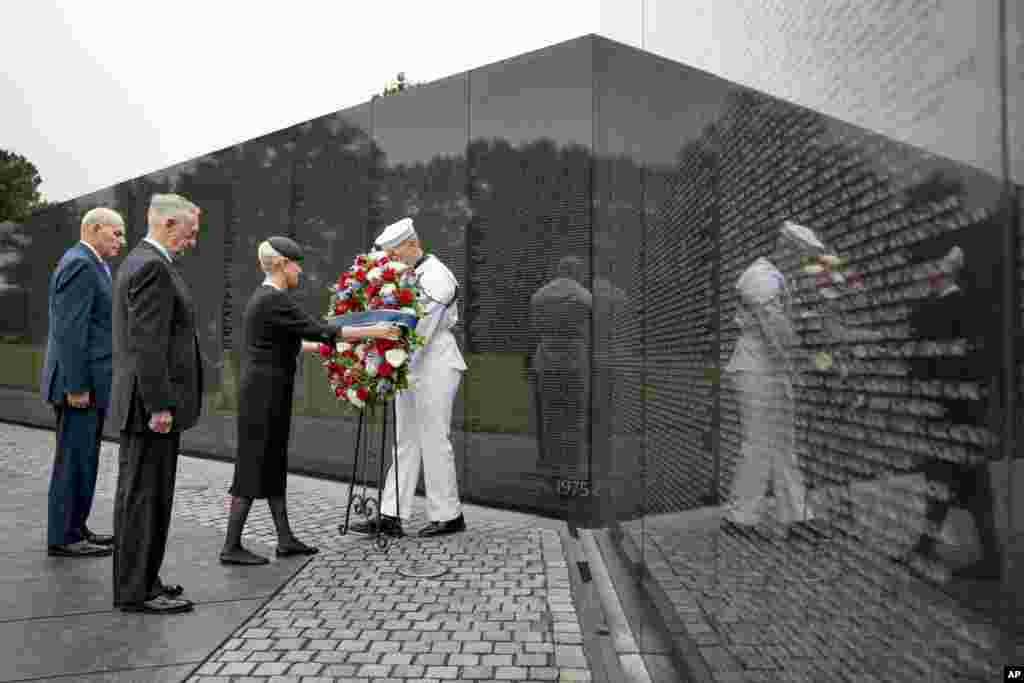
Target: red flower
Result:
[[340, 307], [343, 280], [385, 369], [389, 275], [372, 289], [361, 261], [325, 351], [360, 275], [362, 394], [339, 391], [383, 345], [383, 261], [404, 296]]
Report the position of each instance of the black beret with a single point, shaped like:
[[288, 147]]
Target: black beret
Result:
[[286, 247]]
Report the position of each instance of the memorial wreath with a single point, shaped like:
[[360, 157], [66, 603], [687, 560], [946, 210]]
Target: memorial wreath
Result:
[[375, 289]]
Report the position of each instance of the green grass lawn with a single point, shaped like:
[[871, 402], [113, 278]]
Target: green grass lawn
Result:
[[494, 388]]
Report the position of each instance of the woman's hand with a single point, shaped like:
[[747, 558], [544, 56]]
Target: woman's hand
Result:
[[310, 347]]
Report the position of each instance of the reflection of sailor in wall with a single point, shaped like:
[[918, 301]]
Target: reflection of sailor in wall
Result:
[[764, 364], [424, 411]]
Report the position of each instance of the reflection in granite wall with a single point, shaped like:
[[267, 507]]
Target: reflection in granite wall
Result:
[[911, 70], [897, 417], [680, 328]]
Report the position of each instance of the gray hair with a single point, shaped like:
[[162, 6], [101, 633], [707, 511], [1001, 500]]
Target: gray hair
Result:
[[171, 206], [101, 215], [269, 257]]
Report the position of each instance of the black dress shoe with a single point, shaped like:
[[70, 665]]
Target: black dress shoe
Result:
[[241, 556], [390, 526], [452, 526], [296, 547], [159, 605], [79, 549], [982, 570], [172, 590], [97, 539]]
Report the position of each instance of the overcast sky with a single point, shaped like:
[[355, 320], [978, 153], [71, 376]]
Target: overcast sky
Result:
[[98, 91]]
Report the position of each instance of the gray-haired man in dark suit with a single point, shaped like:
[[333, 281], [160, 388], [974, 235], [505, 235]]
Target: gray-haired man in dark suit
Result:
[[157, 394], [76, 380]]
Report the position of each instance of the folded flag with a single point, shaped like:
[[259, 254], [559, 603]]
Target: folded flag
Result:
[[367, 318]]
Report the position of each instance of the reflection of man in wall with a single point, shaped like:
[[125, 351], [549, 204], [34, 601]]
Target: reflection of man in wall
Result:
[[560, 318], [764, 366], [962, 307]]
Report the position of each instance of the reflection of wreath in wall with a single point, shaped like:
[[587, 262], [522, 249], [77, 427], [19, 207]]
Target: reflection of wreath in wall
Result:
[[834, 280]]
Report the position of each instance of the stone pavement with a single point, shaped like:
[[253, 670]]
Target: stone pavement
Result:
[[503, 611], [809, 611]]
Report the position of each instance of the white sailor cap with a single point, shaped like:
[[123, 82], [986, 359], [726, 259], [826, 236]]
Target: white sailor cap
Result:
[[395, 234], [801, 238]]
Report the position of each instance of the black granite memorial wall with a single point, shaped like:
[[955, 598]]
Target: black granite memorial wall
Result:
[[598, 205]]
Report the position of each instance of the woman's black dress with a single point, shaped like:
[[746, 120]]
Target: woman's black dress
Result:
[[274, 327]]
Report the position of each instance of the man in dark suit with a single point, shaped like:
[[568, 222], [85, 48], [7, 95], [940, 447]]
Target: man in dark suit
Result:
[[76, 380], [156, 395], [964, 305]]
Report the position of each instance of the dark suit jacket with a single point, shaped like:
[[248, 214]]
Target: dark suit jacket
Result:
[[157, 363], [78, 345]]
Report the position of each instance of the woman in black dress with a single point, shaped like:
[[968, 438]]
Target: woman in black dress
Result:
[[275, 329]]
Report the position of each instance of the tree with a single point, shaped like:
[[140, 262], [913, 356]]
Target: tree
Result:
[[19, 187]]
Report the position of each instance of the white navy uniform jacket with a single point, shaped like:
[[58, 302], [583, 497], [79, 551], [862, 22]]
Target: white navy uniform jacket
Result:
[[438, 288], [767, 338]]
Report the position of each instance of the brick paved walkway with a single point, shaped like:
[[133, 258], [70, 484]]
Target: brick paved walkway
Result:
[[502, 612], [797, 611]]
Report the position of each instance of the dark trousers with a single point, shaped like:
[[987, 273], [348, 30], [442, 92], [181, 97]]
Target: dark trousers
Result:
[[561, 415], [970, 486], [73, 480], [142, 513]]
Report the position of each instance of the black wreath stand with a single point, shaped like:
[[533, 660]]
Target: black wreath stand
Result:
[[360, 503]]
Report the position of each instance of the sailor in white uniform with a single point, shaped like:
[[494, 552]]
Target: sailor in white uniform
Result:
[[424, 411]]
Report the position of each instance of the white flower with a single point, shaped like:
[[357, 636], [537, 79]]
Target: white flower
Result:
[[343, 346], [353, 398], [374, 274], [376, 255], [823, 361], [388, 289], [395, 357]]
